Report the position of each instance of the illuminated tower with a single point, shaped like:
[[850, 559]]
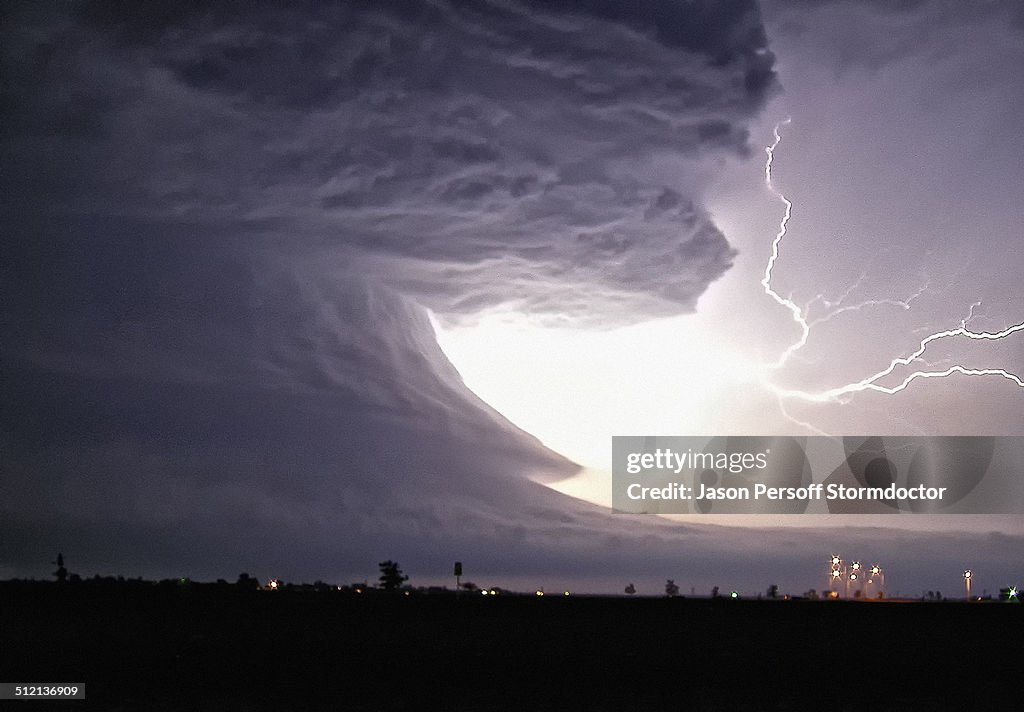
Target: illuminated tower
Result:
[[874, 583], [855, 580], [836, 575]]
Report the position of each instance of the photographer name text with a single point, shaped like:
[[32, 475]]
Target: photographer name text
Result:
[[758, 491]]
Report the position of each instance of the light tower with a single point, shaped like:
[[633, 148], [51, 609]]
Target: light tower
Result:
[[968, 575], [836, 574], [855, 579], [876, 581]]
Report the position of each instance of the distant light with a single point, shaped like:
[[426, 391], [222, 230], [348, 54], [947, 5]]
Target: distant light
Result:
[[1012, 593], [566, 593], [856, 565], [968, 574], [875, 570], [853, 577], [734, 594], [273, 584], [836, 560], [494, 592], [406, 593], [483, 593], [540, 593], [835, 574]]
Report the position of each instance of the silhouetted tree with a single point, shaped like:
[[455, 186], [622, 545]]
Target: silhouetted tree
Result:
[[671, 589], [714, 592], [391, 577], [61, 573], [773, 591], [630, 589], [247, 582]]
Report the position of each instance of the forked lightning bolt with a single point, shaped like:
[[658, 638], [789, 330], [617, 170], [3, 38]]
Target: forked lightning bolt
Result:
[[873, 382]]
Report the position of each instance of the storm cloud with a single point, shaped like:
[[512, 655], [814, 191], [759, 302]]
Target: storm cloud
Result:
[[223, 228], [474, 155]]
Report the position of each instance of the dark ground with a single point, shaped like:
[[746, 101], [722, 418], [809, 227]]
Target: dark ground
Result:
[[210, 647]]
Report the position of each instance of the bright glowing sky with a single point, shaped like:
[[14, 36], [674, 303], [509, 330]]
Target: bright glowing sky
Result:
[[905, 177]]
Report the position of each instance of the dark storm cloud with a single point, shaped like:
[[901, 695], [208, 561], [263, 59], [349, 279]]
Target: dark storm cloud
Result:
[[499, 143], [222, 224]]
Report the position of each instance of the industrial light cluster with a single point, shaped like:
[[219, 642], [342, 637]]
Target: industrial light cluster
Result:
[[857, 580]]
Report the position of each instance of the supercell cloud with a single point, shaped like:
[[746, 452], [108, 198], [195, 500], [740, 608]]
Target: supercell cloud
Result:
[[223, 224], [546, 157]]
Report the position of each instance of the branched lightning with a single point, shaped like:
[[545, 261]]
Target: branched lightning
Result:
[[841, 308], [874, 382], [766, 281]]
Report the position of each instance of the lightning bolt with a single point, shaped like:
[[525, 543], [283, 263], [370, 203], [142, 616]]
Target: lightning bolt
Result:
[[840, 308], [798, 314], [873, 382]]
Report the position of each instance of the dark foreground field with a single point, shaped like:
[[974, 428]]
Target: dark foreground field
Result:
[[220, 648]]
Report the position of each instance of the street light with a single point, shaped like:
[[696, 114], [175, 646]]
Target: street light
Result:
[[968, 575]]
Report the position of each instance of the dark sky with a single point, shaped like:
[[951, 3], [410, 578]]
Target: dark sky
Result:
[[228, 228]]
